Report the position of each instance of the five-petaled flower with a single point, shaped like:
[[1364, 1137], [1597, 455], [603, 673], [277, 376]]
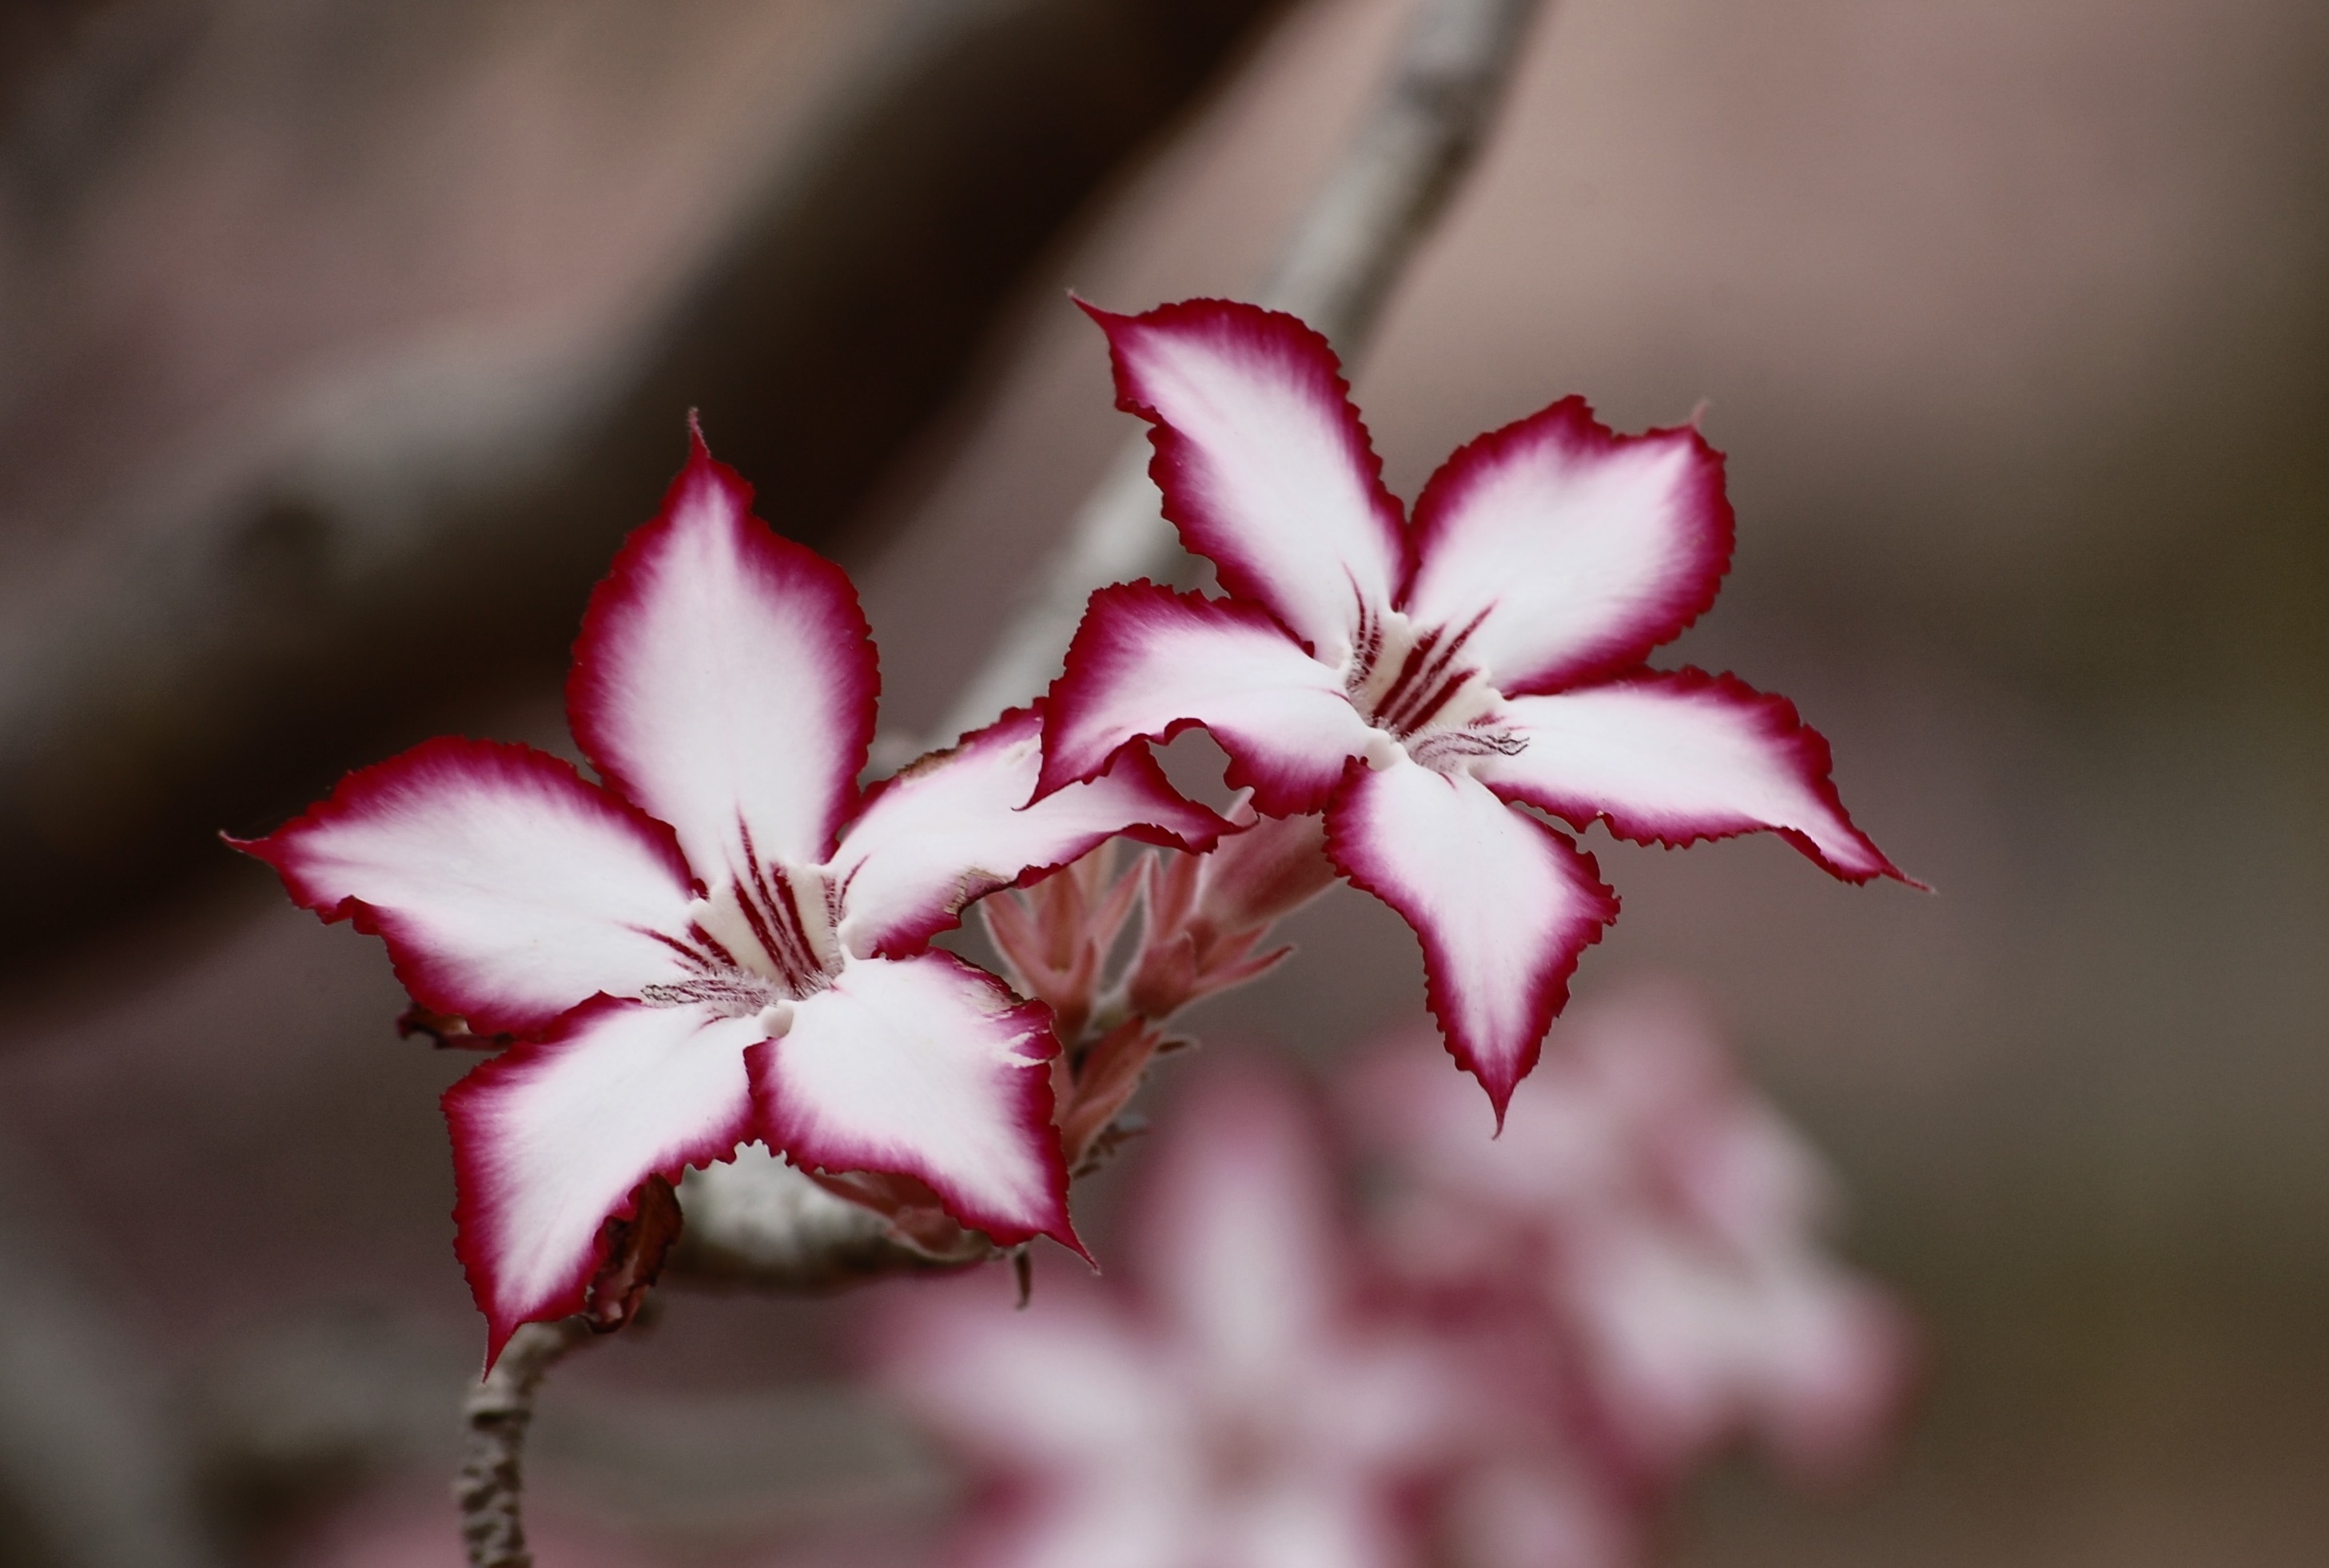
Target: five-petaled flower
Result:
[[1645, 1209], [724, 940], [1253, 1403], [1416, 679]]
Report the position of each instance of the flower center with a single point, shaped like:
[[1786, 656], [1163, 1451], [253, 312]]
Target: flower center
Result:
[[1411, 682], [761, 940]]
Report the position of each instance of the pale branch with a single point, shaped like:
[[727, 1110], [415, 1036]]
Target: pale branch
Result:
[[490, 1489], [1335, 272]]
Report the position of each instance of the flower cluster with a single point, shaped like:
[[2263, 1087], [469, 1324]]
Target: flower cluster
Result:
[[722, 939], [1511, 1367]]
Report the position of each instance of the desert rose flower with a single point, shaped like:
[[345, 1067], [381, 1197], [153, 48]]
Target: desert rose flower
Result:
[[1416, 679], [1663, 1222], [722, 939], [1251, 1405]]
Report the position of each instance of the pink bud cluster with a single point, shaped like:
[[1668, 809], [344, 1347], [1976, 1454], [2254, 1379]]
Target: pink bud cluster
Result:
[[1205, 921]]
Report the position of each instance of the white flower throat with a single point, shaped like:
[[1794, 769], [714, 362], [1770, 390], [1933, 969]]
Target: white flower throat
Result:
[[764, 938], [1411, 683]]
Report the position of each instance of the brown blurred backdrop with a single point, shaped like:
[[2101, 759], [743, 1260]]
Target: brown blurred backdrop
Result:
[[339, 341]]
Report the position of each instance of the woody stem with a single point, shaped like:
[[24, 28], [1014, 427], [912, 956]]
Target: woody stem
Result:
[[494, 1422]]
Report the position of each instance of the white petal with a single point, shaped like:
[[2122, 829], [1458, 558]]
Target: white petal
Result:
[[1670, 758], [724, 680], [1147, 662], [508, 889], [928, 1068], [1502, 903], [1263, 461], [957, 826], [551, 1138], [1577, 551]]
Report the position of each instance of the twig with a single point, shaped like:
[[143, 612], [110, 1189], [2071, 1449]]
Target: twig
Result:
[[494, 1421], [1336, 272]]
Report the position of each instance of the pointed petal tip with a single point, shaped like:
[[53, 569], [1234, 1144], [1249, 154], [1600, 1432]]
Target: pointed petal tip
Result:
[[499, 1331], [1100, 314], [1496, 988], [553, 1138], [724, 671], [1673, 758], [1066, 1236]]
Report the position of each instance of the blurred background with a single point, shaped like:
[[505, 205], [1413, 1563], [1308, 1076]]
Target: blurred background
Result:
[[341, 341]]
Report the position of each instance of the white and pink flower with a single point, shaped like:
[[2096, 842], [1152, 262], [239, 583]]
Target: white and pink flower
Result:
[[1653, 1215], [1251, 1403], [724, 939], [1415, 679]]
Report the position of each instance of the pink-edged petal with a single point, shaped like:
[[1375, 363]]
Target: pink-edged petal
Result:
[[1503, 906], [1576, 550], [1262, 460], [725, 679], [551, 1138], [1147, 663], [1672, 759], [955, 827], [507, 888], [928, 1068]]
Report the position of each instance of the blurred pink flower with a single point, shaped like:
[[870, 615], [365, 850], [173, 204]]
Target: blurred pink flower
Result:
[[1413, 679], [1663, 1223], [1255, 1403]]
